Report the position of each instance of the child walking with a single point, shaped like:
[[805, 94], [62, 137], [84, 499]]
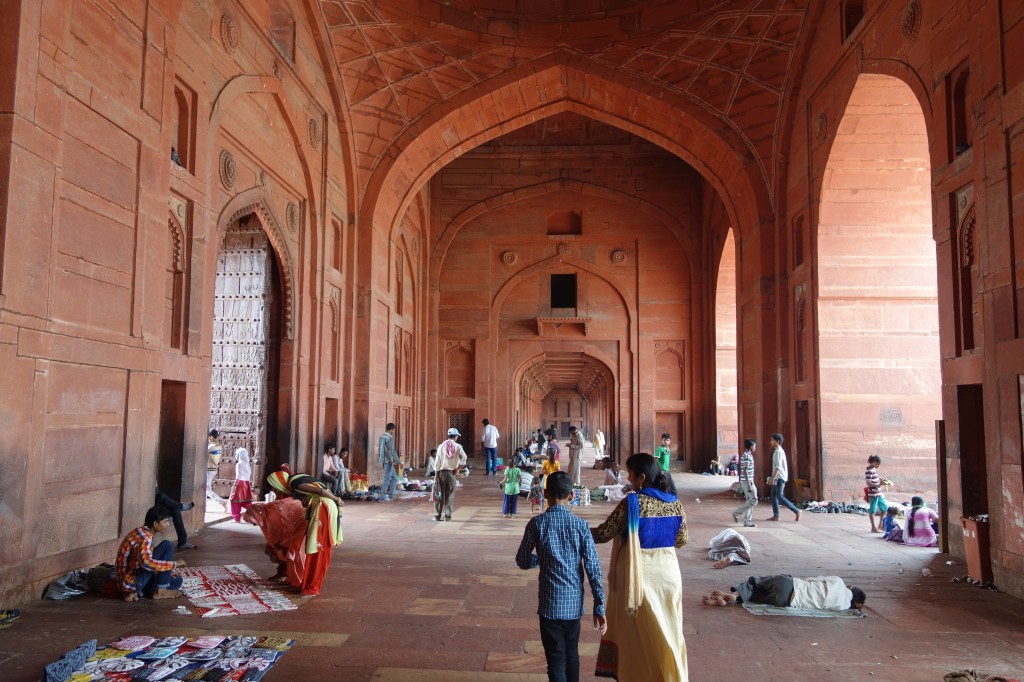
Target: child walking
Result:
[[877, 506], [510, 482], [561, 544], [537, 494]]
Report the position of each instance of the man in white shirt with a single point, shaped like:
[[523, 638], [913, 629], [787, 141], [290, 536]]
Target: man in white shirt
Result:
[[777, 481], [489, 440]]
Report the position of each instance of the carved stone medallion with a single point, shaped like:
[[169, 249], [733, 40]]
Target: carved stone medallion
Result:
[[315, 136], [820, 130], [291, 214], [618, 256], [508, 257], [910, 25], [228, 169], [228, 33]]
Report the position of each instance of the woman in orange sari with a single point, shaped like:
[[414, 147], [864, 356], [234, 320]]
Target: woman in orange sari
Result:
[[323, 523]]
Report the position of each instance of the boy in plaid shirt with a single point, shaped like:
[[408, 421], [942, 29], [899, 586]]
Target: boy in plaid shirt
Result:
[[143, 571], [562, 545]]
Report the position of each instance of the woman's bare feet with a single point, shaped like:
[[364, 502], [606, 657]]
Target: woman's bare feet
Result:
[[722, 563]]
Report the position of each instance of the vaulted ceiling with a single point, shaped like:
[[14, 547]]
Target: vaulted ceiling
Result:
[[398, 59]]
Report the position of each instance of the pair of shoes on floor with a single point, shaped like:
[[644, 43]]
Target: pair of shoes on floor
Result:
[[437, 517], [772, 518], [187, 545], [750, 524], [447, 518], [8, 616]]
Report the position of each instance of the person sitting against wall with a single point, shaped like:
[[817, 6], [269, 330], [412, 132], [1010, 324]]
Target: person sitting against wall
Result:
[[144, 571]]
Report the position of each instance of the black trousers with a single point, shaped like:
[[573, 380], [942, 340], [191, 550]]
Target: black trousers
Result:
[[774, 590], [174, 507], [561, 639]]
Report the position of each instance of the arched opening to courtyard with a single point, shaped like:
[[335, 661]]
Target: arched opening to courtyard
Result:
[[726, 410], [877, 305]]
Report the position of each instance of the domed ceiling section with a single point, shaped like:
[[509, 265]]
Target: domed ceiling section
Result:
[[400, 58]]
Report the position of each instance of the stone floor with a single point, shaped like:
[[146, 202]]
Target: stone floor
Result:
[[414, 600]]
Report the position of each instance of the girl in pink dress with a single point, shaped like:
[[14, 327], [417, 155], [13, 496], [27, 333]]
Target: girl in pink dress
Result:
[[241, 491]]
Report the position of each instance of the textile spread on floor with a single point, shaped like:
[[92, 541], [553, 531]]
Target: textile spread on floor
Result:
[[231, 591], [245, 658]]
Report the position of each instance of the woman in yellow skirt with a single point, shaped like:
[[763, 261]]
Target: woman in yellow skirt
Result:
[[645, 590]]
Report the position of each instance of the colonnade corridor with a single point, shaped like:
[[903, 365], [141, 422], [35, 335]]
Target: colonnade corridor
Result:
[[410, 599]]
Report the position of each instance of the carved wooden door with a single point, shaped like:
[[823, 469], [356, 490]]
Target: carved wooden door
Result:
[[241, 317]]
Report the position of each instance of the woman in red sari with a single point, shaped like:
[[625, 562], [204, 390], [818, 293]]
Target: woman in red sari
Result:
[[323, 523], [283, 523]]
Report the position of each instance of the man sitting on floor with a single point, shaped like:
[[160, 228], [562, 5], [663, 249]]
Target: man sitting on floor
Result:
[[143, 571], [823, 593]]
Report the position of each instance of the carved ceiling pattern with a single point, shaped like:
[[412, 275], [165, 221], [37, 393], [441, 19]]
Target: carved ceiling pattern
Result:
[[400, 58], [575, 371]]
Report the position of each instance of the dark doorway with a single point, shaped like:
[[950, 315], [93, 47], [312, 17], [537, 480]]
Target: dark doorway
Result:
[[170, 456], [973, 471]]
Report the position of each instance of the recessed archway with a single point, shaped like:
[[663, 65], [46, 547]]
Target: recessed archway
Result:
[[877, 304]]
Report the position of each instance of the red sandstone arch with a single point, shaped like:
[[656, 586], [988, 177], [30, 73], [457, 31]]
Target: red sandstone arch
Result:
[[560, 83], [874, 279]]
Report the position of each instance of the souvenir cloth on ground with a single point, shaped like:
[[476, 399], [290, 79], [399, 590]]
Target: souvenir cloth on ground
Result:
[[730, 544], [767, 610], [245, 658], [231, 591]]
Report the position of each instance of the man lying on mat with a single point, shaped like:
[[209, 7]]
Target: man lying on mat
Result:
[[143, 571], [825, 593]]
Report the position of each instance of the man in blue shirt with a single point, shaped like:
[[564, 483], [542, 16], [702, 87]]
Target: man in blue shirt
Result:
[[564, 549]]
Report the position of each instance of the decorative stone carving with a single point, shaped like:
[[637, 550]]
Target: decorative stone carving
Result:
[[291, 216], [910, 25], [562, 248], [509, 257], [315, 136], [277, 69], [820, 130], [228, 169], [228, 33], [618, 256]]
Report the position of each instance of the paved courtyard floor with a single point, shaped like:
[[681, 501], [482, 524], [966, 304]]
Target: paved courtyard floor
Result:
[[411, 599]]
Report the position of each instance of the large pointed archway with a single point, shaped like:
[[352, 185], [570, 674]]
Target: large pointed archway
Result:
[[877, 306]]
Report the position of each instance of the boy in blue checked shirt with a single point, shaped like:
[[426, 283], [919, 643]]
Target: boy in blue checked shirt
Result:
[[564, 550]]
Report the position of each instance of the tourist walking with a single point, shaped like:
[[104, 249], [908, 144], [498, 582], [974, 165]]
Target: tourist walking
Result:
[[780, 474], [489, 441], [450, 460]]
